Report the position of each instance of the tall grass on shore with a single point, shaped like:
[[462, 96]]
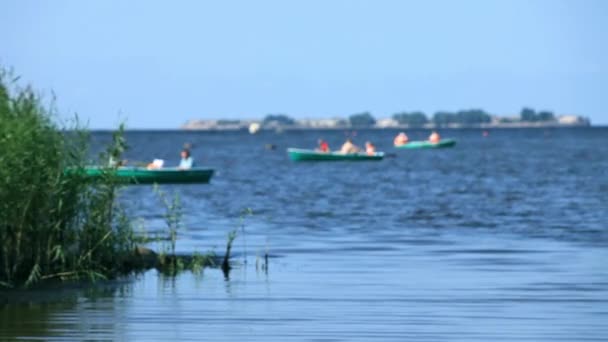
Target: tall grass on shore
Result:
[[53, 224]]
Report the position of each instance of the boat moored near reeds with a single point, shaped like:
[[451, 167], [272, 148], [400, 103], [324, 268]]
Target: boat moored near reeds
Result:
[[135, 175]]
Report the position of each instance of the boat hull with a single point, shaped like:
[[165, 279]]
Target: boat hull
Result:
[[427, 144], [133, 175], [297, 154]]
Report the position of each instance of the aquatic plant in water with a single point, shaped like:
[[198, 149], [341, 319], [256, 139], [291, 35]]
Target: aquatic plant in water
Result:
[[53, 224], [57, 224]]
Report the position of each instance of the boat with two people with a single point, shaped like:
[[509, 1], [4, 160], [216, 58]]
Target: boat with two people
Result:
[[401, 141], [154, 173]]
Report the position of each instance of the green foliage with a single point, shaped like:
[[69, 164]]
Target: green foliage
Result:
[[470, 117], [530, 115], [364, 119], [198, 262], [413, 119], [173, 215], [278, 120], [169, 262], [546, 116], [53, 224], [442, 119]]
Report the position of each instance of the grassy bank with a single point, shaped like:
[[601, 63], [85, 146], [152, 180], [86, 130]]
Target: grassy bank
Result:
[[53, 225], [56, 225]]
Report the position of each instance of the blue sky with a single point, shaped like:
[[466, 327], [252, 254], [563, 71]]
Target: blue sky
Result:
[[157, 64]]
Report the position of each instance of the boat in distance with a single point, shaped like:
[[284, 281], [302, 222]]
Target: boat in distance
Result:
[[444, 143], [299, 154]]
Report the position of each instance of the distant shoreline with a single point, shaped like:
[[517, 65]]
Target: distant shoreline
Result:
[[473, 118], [179, 129], [528, 125]]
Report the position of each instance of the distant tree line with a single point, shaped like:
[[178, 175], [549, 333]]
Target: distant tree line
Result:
[[466, 117], [443, 118], [463, 117], [278, 119], [413, 119], [364, 119], [530, 115], [469, 117]]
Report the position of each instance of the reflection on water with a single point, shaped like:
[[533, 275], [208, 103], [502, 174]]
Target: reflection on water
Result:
[[59, 313], [501, 238]]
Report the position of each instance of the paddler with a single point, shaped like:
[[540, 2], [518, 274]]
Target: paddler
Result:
[[434, 137], [401, 139], [323, 146], [349, 147], [370, 148]]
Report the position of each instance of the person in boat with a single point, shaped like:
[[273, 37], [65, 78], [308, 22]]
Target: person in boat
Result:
[[370, 148], [349, 147], [401, 139], [113, 162], [323, 146], [434, 137], [114, 159], [155, 164], [187, 162]]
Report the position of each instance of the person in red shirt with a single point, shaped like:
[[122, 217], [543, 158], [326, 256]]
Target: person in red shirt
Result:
[[323, 146]]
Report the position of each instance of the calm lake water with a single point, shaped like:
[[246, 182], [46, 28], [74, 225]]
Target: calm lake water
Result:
[[500, 238]]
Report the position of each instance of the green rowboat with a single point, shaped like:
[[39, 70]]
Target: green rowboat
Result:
[[297, 154], [427, 144], [135, 175]]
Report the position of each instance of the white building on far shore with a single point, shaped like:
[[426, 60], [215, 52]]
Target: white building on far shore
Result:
[[387, 123], [322, 123], [573, 120]]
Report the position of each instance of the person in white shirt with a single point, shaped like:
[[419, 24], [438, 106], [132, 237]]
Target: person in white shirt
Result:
[[187, 162]]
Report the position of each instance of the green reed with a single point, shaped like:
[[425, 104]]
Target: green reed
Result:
[[53, 224]]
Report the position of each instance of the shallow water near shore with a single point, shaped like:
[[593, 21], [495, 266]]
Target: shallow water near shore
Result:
[[499, 238]]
